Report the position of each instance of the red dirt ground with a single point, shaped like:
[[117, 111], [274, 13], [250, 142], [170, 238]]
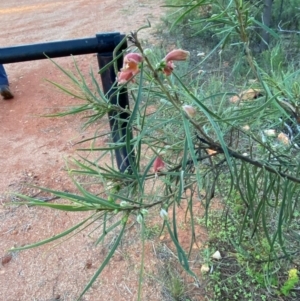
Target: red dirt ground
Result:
[[33, 150], [29, 142]]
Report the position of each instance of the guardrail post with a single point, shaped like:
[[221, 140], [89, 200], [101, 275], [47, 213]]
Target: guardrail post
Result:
[[103, 44], [117, 121]]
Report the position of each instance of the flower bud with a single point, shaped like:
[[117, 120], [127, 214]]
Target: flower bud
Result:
[[147, 51], [163, 213], [139, 218], [158, 164], [189, 110], [144, 211]]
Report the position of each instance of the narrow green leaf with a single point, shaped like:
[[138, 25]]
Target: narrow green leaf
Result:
[[266, 28], [181, 254], [104, 263], [62, 234], [185, 13], [191, 147], [107, 230]]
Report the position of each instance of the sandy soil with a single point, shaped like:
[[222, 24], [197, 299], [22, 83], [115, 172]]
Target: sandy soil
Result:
[[29, 142], [33, 150]]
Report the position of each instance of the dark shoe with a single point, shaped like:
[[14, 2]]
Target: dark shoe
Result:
[[5, 92]]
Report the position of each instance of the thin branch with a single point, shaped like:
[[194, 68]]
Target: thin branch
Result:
[[218, 148], [286, 30]]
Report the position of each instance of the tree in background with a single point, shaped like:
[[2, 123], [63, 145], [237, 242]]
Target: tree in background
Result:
[[266, 20]]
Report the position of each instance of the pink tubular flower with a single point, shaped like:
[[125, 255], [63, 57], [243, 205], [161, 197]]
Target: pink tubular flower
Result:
[[133, 57], [167, 65], [131, 62], [124, 76], [130, 67], [177, 55], [158, 165], [168, 69]]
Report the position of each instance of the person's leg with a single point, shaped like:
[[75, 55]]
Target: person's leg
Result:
[[4, 84], [3, 77]]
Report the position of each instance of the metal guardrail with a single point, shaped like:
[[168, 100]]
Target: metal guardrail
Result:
[[103, 44]]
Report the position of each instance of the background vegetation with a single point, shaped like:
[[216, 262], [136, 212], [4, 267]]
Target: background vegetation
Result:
[[235, 150]]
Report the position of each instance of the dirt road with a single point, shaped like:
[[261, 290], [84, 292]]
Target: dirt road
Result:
[[33, 150], [28, 142]]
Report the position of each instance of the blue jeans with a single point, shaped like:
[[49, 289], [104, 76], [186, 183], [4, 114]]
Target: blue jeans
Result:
[[3, 76]]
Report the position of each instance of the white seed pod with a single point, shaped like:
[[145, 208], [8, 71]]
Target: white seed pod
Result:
[[204, 269], [216, 255], [270, 133]]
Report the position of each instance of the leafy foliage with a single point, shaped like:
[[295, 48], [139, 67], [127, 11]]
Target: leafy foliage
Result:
[[240, 146]]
